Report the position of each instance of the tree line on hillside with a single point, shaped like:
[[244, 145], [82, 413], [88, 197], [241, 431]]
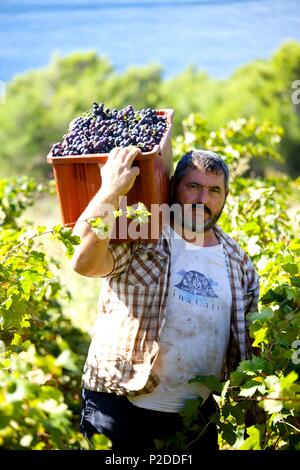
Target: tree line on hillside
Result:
[[40, 104]]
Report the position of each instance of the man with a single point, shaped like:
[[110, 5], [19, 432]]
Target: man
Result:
[[168, 311]]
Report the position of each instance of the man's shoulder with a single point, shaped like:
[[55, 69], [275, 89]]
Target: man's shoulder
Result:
[[232, 247], [243, 261]]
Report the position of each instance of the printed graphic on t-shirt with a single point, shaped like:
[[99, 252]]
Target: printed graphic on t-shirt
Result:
[[194, 288], [196, 283]]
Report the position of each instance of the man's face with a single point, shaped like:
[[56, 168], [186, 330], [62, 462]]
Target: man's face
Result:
[[198, 187]]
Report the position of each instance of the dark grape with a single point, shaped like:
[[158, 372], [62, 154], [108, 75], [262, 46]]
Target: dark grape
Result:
[[99, 130]]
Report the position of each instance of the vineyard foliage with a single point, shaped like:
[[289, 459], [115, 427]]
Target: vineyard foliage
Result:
[[42, 353]]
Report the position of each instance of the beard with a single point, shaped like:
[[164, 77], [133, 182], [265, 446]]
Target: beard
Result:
[[193, 218], [211, 222]]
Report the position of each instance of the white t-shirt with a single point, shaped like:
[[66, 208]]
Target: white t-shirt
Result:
[[195, 336]]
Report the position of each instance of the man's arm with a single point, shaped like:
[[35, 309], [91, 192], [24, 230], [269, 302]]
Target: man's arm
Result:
[[92, 257]]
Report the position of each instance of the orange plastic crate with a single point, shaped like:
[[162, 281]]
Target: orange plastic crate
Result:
[[78, 179]]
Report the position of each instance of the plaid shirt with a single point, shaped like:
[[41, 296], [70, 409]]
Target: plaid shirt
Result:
[[132, 313]]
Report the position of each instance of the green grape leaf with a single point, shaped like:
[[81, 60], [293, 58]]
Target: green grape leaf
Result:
[[190, 411], [263, 315], [291, 268], [210, 381], [229, 433], [118, 213], [100, 228], [261, 336], [253, 442], [294, 245]]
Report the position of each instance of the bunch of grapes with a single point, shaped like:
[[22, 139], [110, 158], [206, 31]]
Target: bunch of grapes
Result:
[[101, 129]]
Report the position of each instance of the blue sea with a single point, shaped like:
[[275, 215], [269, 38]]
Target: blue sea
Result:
[[215, 36]]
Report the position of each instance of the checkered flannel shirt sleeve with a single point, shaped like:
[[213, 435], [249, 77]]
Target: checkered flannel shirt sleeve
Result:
[[121, 253], [250, 302]]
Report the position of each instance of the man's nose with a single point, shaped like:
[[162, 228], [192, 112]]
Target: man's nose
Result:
[[202, 196]]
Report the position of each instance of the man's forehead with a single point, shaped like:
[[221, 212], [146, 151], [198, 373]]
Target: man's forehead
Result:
[[199, 175]]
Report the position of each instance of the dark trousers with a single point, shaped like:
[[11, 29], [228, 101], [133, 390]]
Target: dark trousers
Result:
[[131, 428]]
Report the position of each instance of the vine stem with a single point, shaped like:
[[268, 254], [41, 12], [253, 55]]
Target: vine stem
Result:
[[261, 398], [277, 440], [16, 247], [19, 245], [291, 425], [199, 435]]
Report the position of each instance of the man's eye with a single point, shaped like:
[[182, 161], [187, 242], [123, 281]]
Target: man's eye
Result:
[[215, 190]]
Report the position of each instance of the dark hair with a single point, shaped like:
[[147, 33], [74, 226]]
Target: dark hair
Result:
[[206, 160]]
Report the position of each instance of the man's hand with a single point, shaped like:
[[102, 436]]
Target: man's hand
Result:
[[117, 174], [92, 257]]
